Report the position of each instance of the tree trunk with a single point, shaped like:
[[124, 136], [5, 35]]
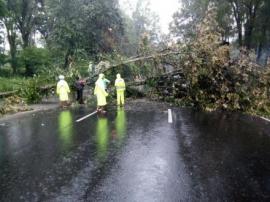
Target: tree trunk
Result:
[[68, 59], [259, 52], [252, 8], [13, 49], [262, 44], [25, 18], [26, 39], [13, 61], [240, 35], [249, 28], [238, 18], [248, 36]]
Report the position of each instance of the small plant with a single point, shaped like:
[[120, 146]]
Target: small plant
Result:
[[31, 90]]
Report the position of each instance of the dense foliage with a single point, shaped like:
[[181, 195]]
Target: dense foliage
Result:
[[71, 31], [220, 77], [244, 20]]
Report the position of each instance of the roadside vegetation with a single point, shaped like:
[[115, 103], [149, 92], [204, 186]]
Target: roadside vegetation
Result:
[[217, 77]]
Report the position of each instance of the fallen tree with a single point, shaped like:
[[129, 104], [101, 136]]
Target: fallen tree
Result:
[[103, 67]]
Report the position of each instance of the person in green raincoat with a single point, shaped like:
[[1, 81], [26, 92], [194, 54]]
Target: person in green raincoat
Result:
[[62, 91], [101, 93], [120, 89]]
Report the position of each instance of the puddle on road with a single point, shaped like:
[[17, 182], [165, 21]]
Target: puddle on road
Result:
[[65, 128], [102, 136], [106, 132]]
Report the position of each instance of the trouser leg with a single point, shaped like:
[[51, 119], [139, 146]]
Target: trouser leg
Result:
[[118, 98], [80, 97], [122, 98]]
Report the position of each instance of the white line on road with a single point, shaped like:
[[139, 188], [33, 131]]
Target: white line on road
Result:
[[85, 117], [170, 120], [265, 119]]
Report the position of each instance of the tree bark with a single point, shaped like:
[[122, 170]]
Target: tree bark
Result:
[[68, 58], [238, 19], [13, 55], [25, 20], [261, 45], [12, 36], [26, 39], [250, 26], [252, 8]]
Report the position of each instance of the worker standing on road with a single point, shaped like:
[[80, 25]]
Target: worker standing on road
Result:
[[106, 82], [101, 93], [63, 90], [120, 89], [79, 85]]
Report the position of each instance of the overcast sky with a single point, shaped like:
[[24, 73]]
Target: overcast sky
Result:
[[164, 9]]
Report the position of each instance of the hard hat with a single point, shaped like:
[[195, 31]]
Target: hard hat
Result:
[[118, 76], [61, 77]]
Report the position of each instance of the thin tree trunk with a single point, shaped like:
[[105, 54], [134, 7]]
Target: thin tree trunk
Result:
[[250, 28], [13, 50], [13, 61], [240, 35], [68, 59], [26, 40], [262, 44], [238, 19], [252, 7]]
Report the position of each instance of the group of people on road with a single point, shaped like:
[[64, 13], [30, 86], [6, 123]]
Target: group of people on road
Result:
[[100, 91]]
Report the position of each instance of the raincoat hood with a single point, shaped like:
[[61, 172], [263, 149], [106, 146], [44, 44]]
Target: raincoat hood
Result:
[[118, 76], [100, 76]]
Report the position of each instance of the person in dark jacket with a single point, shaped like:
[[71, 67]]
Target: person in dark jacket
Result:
[[79, 85]]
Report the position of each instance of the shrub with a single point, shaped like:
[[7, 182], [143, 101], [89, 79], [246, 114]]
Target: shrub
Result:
[[34, 59], [31, 91]]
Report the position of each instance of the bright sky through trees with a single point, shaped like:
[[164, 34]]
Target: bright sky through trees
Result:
[[163, 8]]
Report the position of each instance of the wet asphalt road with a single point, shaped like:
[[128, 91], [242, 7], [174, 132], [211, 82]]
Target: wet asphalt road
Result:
[[134, 155]]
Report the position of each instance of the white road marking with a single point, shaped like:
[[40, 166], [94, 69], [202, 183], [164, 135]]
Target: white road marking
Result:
[[265, 119], [85, 117], [170, 120]]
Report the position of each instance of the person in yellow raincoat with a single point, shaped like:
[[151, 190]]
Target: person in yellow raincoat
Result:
[[101, 93], [62, 91], [120, 89]]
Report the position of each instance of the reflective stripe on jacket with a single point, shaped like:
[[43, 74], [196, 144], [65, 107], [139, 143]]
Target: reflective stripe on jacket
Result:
[[120, 84]]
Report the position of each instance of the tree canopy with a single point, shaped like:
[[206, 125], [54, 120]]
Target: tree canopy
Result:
[[243, 20], [82, 29]]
